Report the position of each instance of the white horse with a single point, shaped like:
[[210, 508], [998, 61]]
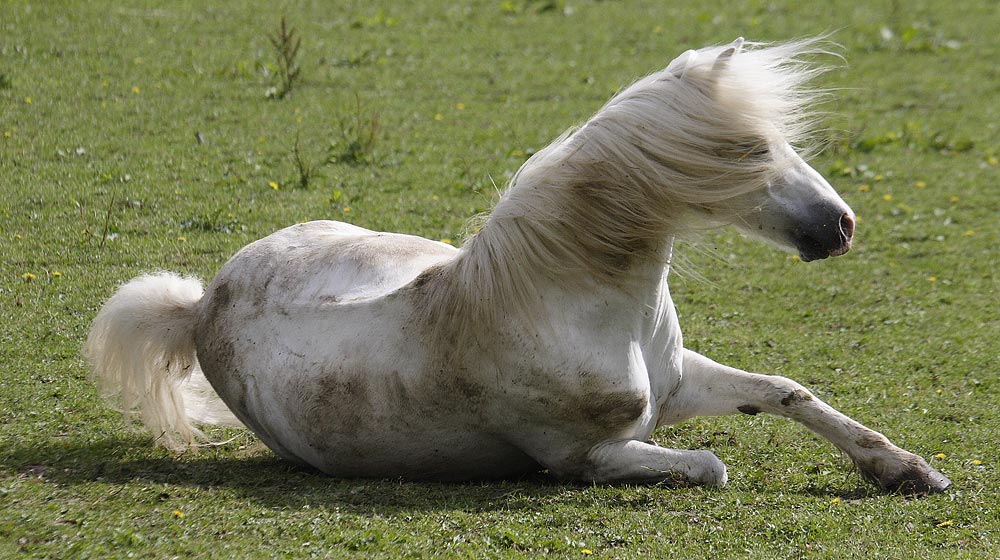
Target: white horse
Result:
[[548, 341]]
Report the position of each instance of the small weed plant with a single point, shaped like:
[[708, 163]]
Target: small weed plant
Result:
[[359, 134], [286, 42], [305, 168]]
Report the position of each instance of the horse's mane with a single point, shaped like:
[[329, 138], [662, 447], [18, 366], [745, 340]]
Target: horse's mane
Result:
[[693, 136]]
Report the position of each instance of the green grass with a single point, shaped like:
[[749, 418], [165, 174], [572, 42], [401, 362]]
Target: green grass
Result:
[[102, 178]]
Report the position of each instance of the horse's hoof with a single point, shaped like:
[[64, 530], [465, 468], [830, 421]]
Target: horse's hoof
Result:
[[925, 480], [713, 470], [913, 477]]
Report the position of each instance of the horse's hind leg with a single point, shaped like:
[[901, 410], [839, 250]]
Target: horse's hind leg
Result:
[[711, 389]]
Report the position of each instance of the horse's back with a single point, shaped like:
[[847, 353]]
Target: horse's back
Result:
[[324, 262]]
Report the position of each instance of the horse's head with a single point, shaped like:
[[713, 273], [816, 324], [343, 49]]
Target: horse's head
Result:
[[709, 138], [798, 209], [756, 105]]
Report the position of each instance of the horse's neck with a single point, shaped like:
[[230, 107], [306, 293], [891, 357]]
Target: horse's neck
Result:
[[636, 308], [580, 230], [568, 226], [647, 282]]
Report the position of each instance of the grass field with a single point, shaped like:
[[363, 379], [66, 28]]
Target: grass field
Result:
[[146, 137]]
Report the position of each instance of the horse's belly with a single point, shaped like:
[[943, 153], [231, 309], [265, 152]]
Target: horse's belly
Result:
[[369, 422], [357, 418], [374, 410], [347, 389], [421, 455]]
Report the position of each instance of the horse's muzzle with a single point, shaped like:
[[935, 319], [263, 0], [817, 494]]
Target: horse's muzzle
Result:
[[829, 238]]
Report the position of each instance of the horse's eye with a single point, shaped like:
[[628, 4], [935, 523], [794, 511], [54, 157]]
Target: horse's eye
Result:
[[749, 150], [758, 150]]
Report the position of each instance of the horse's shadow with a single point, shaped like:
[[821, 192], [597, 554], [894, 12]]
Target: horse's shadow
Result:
[[261, 477]]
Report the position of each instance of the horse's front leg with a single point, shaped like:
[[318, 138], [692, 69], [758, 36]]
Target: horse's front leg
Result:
[[711, 389], [635, 461]]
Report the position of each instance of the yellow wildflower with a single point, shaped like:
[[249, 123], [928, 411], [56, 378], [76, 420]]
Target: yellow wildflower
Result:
[[17, 236], [970, 233], [863, 187], [446, 240], [28, 277], [178, 514], [954, 200], [939, 391], [27, 100], [586, 551], [944, 524], [273, 185], [975, 462], [992, 161], [877, 178], [181, 238], [56, 274], [887, 197], [920, 184], [135, 89], [835, 502], [347, 209], [932, 279], [460, 106], [438, 117], [939, 455], [7, 134]]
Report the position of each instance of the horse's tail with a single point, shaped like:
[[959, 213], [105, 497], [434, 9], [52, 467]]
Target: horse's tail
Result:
[[142, 353]]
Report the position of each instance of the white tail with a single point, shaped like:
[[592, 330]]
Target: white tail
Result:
[[141, 349]]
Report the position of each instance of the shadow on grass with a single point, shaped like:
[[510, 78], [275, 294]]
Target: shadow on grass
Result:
[[262, 477], [258, 474]]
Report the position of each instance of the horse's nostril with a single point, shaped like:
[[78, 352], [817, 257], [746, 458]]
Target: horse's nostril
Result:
[[847, 226]]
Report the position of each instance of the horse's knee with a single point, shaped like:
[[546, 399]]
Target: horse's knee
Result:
[[784, 394], [773, 394]]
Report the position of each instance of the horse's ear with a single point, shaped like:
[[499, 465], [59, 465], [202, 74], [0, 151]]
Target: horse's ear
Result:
[[678, 67], [727, 54]]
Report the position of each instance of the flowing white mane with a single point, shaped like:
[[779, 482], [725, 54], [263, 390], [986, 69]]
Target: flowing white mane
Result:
[[689, 138]]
